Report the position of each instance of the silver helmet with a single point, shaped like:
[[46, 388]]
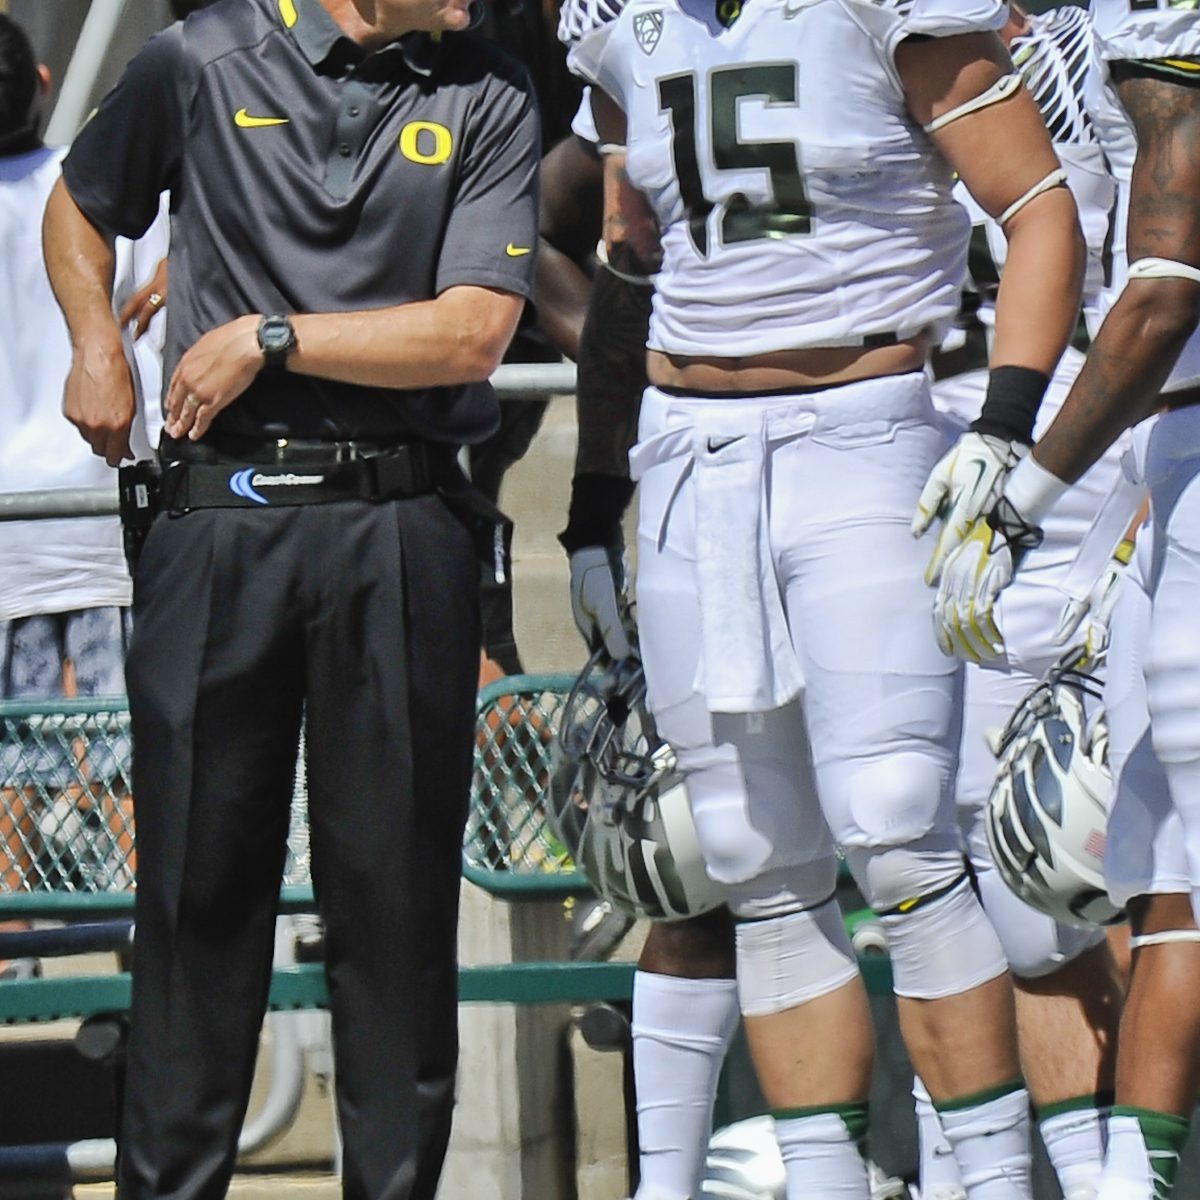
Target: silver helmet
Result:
[[1047, 815], [618, 801]]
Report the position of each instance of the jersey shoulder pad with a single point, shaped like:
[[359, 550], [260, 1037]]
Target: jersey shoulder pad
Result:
[[948, 18], [1170, 31], [592, 59]]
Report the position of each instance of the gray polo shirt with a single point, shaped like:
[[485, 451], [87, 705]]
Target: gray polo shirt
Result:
[[308, 176]]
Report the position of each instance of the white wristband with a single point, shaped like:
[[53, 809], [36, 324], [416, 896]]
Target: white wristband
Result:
[[1032, 490]]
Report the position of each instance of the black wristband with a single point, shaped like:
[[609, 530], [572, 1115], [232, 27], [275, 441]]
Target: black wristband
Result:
[[1010, 408], [598, 502]]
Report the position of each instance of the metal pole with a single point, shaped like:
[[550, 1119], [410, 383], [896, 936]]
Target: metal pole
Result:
[[512, 381], [74, 98]]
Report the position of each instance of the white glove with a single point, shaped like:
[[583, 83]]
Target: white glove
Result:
[[976, 571], [1084, 623], [598, 601], [966, 482]]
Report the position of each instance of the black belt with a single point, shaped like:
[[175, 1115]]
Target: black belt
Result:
[[291, 472]]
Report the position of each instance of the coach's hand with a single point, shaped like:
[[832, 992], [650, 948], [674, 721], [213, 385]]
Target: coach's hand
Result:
[[211, 376], [98, 397], [976, 571], [963, 485], [598, 601]]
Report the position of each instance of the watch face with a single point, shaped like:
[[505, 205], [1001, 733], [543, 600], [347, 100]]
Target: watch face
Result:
[[275, 336]]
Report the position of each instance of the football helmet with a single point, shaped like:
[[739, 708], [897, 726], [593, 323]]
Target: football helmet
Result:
[[1047, 814], [744, 1163], [618, 802]]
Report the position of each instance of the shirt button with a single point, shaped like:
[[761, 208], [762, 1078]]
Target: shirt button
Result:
[[354, 110], [344, 150]]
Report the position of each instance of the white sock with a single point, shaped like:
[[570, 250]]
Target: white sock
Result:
[[1141, 1162], [991, 1143], [822, 1155], [938, 1168], [1074, 1140], [681, 1030]]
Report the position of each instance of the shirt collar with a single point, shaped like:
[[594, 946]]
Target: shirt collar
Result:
[[318, 35]]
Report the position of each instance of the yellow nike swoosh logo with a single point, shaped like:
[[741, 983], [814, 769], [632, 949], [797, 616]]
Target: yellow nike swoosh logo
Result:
[[516, 251], [243, 120]]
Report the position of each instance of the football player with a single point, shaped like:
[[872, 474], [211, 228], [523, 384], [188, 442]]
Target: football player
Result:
[[1150, 68], [1068, 993], [795, 159]]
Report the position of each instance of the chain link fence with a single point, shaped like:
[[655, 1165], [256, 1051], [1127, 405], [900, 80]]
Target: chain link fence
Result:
[[67, 806]]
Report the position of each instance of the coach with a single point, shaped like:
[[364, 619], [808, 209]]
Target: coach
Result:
[[354, 211]]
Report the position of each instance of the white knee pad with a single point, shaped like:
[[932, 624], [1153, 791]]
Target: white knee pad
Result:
[[786, 961], [1035, 944], [940, 941], [754, 801], [891, 800]]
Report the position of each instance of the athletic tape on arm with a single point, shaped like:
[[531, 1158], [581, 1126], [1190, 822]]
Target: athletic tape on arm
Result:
[[1162, 268], [1056, 178], [1004, 87], [1167, 937]]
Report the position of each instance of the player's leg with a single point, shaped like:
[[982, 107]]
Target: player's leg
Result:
[[1147, 863], [685, 1012], [1068, 995], [797, 976], [882, 704]]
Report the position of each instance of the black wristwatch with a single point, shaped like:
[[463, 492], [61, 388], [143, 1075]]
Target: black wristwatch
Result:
[[276, 339]]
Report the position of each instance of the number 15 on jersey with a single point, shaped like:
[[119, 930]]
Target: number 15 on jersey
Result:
[[788, 211]]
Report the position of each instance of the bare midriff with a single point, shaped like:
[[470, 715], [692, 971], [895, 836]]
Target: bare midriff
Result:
[[820, 366]]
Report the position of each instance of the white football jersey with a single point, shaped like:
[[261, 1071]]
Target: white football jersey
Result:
[[800, 204], [1127, 29]]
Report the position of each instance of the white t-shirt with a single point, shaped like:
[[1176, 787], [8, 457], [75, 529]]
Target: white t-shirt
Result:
[[55, 565], [800, 204]]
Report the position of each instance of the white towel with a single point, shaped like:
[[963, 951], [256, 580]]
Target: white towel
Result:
[[747, 662]]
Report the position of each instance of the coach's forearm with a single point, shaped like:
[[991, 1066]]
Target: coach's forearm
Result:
[[458, 338], [81, 262]]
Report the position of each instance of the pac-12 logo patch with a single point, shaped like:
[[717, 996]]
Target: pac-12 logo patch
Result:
[[647, 28]]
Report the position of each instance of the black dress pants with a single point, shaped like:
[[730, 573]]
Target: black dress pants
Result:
[[365, 618]]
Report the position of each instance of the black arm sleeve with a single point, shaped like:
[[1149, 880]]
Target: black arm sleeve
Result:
[[130, 150]]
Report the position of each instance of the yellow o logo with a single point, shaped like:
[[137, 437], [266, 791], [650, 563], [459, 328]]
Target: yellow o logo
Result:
[[411, 143]]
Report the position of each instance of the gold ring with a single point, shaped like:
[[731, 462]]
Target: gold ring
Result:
[[192, 400], [155, 300]]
